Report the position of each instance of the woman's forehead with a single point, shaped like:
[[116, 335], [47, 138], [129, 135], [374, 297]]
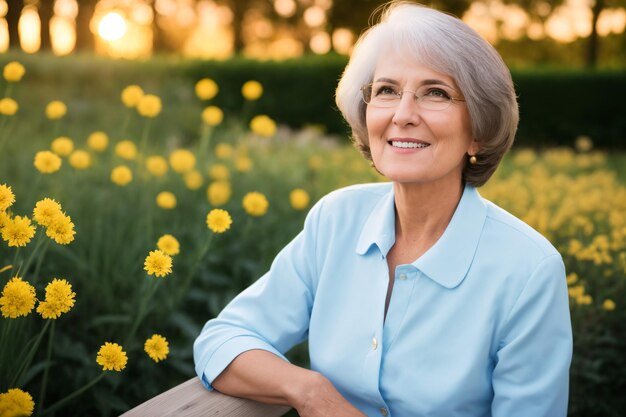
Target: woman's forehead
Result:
[[402, 67]]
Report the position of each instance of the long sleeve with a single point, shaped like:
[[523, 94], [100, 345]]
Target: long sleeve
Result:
[[272, 314], [531, 374]]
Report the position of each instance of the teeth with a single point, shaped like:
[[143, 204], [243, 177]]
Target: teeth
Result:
[[399, 144]]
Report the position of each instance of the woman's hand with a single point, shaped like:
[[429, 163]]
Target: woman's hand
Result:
[[317, 397]]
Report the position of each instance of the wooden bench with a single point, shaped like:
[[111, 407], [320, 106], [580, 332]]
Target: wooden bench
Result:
[[191, 399]]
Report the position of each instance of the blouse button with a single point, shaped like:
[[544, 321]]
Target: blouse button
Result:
[[374, 343], [383, 411], [402, 277]]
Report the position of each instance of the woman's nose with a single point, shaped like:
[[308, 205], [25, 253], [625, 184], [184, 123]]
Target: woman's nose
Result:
[[407, 110]]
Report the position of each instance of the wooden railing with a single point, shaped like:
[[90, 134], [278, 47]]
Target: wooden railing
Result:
[[191, 399]]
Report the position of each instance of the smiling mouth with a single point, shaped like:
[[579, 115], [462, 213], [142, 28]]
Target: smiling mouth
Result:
[[406, 144]]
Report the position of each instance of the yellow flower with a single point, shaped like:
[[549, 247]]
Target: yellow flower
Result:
[[243, 164], [4, 219], [315, 162], [299, 199], [18, 298], [583, 144], [182, 160], [18, 231], [206, 89], [608, 305], [218, 193], [169, 245], [45, 211], [121, 175], [158, 263], [59, 299], [16, 403], [255, 204], [98, 141], [218, 220], [224, 151], [111, 357], [8, 106], [166, 200], [61, 229], [193, 180], [252, 90], [156, 165], [13, 71], [80, 159], [212, 115], [131, 95], [157, 347], [126, 149], [149, 105], [62, 146], [55, 110], [7, 198], [47, 162], [219, 172], [263, 125]]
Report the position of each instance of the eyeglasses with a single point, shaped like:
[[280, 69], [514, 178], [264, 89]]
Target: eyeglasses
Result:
[[428, 97]]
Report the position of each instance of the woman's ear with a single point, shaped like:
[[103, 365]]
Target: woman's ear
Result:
[[474, 147]]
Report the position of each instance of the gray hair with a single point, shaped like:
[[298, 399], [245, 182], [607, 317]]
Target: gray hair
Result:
[[447, 45]]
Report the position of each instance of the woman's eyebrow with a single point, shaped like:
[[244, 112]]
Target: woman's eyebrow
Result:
[[429, 81], [386, 80], [436, 82]]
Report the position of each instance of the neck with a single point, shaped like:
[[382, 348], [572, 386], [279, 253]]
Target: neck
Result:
[[423, 211]]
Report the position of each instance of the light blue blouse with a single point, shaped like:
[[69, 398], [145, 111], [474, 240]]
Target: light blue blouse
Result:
[[478, 326]]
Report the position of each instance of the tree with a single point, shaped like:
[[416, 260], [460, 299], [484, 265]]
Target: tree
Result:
[[593, 43], [46, 12], [85, 38], [12, 17]]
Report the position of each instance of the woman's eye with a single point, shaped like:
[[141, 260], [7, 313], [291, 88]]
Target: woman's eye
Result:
[[437, 93], [385, 90]]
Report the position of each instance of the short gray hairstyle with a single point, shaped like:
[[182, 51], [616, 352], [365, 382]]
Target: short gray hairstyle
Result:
[[447, 45]]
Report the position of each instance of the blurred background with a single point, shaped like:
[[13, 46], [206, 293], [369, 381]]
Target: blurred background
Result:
[[139, 118], [531, 32]]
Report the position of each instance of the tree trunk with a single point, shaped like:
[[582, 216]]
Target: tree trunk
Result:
[[85, 38], [13, 18], [159, 38], [593, 45], [46, 11], [238, 10]]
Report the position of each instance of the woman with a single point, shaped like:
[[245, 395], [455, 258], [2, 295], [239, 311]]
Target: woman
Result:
[[418, 297]]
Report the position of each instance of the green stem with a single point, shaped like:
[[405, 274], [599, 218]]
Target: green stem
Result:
[[182, 289], [76, 393], [204, 147], [44, 383], [126, 123], [41, 257], [38, 243], [3, 134], [15, 267], [29, 357], [143, 309], [4, 346]]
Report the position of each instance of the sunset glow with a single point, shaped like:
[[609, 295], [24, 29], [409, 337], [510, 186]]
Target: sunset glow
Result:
[[112, 27]]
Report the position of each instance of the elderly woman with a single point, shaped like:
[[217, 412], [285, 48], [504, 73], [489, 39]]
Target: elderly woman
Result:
[[417, 296]]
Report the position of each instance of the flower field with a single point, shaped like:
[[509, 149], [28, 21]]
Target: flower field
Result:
[[119, 239]]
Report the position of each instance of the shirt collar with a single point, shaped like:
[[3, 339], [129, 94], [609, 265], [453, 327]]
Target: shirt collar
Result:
[[449, 259]]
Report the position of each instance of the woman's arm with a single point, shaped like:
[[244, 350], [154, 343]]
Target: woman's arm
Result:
[[262, 376], [531, 374]]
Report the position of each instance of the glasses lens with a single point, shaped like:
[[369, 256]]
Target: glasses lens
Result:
[[434, 103]]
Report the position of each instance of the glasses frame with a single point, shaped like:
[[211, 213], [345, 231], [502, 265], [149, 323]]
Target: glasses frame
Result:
[[400, 95]]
